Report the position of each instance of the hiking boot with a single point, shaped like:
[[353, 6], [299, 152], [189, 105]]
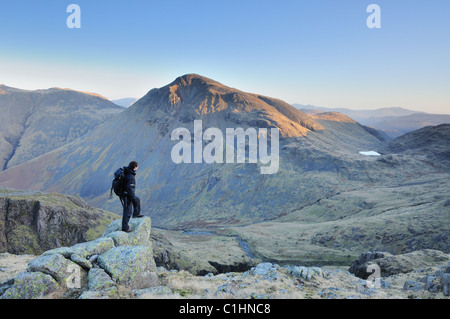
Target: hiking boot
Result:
[[129, 230], [138, 216]]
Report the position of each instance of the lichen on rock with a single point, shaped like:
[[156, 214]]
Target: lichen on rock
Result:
[[132, 266], [96, 269], [31, 285]]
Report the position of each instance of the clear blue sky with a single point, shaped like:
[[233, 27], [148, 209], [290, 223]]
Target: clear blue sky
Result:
[[318, 52]]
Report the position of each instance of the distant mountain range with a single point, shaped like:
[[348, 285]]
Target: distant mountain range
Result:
[[394, 121], [36, 122]]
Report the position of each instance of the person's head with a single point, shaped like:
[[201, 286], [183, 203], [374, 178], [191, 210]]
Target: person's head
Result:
[[133, 165]]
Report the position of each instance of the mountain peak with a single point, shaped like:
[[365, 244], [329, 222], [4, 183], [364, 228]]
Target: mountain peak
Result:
[[193, 96], [193, 78], [196, 81]]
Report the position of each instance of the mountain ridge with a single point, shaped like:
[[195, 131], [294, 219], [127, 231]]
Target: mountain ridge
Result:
[[392, 122], [35, 122], [9, 89]]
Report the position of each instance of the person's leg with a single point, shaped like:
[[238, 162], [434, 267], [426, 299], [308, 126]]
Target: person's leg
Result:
[[136, 207], [127, 210]]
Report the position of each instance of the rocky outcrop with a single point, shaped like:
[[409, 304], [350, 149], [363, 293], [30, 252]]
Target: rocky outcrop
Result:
[[394, 264], [33, 222], [359, 266], [417, 262], [272, 281], [435, 282], [118, 273], [115, 263]]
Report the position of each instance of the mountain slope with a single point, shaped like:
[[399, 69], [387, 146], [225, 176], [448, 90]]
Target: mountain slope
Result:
[[431, 142], [36, 122], [318, 157], [396, 215]]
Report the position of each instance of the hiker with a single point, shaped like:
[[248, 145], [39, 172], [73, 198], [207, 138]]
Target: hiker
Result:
[[131, 203]]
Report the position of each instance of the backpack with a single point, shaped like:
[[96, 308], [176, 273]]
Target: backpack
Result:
[[118, 184]]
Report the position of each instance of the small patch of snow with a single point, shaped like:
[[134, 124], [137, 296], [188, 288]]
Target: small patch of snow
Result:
[[369, 153]]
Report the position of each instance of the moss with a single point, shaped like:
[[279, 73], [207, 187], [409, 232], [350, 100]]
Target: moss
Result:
[[23, 240], [31, 285], [184, 292], [95, 232]]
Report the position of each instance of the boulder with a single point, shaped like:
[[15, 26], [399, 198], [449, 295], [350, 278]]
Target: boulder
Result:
[[131, 266], [445, 280], [307, 273], [98, 280], [84, 250], [31, 285], [139, 236], [262, 269], [82, 262], [60, 268], [95, 247], [412, 285]]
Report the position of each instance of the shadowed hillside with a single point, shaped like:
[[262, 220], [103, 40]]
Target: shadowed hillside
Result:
[[35, 122]]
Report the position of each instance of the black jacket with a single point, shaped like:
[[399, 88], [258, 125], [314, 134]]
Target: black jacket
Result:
[[130, 183]]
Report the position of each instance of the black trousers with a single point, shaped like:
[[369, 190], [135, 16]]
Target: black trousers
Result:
[[131, 206]]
